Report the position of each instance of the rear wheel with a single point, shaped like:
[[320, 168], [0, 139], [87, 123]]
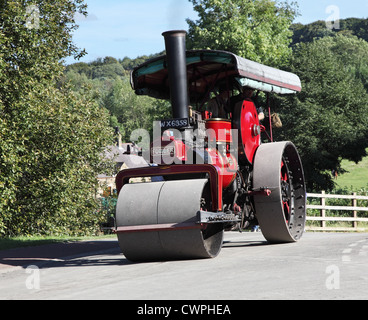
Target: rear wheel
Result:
[[281, 216]]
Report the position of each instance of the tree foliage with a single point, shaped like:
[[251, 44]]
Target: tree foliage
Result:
[[51, 137], [254, 29], [327, 120], [127, 111]]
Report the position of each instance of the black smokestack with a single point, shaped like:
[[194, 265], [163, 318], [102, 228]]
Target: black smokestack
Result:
[[176, 60]]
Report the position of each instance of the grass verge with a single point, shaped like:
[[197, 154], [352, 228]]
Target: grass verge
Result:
[[356, 177], [21, 242]]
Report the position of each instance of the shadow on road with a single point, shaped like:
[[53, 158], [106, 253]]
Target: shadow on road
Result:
[[236, 244], [116, 259], [62, 253]]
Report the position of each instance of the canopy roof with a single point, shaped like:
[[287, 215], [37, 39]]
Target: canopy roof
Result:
[[206, 69]]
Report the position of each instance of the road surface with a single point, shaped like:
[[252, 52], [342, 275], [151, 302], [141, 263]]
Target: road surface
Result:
[[320, 266]]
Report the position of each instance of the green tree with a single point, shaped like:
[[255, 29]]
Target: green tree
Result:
[[327, 120], [110, 70], [254, 29], [51, 138], [318, 29], [307, 33], [129, 111]]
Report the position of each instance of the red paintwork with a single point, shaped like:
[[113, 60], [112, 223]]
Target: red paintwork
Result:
[[226, 165], [159, 227], [220, 130], [249, 121]]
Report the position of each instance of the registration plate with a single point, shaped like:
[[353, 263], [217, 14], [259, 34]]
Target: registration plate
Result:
[[164, 151]]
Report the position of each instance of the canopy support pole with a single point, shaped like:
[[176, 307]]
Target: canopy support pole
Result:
[[269, 115]]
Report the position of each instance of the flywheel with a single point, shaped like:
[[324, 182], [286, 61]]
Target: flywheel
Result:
[[249, 132]]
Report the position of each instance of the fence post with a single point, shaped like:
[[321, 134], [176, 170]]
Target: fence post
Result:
[[323, 211], [355, 204]]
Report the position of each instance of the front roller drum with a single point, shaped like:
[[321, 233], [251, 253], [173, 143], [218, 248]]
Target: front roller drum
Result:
[[282, 215], [158, 204]]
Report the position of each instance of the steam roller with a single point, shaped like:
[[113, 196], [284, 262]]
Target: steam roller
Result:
[[209, 168]]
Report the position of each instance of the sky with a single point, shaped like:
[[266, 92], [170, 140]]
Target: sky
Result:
[[132, 28]]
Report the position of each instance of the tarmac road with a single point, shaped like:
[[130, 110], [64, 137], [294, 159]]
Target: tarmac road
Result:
[[320, 266]]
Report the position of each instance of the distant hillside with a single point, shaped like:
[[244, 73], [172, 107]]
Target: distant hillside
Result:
[[351, 26], [108, 67]]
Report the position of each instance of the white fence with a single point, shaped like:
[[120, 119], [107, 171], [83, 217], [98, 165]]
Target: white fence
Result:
[[354, 218]]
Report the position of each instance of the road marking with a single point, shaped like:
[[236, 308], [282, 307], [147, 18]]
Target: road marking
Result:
[[346, 253], [363, 253]]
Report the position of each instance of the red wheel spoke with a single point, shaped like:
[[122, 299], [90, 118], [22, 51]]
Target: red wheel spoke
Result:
[[285, 186]]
